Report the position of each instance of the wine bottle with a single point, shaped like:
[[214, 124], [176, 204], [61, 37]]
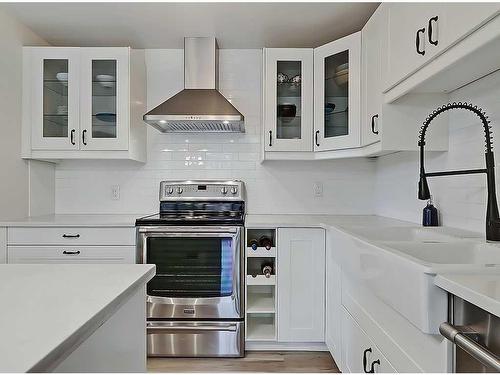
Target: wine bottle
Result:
[[267, 269], [265, 241], [254, 244]]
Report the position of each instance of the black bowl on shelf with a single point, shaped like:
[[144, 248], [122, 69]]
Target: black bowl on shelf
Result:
[[287, 111]]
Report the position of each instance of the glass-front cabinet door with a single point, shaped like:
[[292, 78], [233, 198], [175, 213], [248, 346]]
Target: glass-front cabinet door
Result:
[[337, 100], [288, 99], [104, 99], [55, 98]]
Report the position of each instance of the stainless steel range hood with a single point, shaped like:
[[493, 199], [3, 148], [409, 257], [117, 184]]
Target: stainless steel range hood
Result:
[[200, 107]]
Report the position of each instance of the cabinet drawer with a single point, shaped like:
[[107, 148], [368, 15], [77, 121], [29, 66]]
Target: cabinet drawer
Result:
[[70, 254], [71, 236], [359, 354]]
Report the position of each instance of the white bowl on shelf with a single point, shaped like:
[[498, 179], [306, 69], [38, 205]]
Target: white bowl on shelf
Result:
[[342, 67], [342, 77], [106, 80], [63, 78]]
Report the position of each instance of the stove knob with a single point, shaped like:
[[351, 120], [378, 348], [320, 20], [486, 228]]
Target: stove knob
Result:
[[223, 190], [179, 190], [170, 190], [234, 190]]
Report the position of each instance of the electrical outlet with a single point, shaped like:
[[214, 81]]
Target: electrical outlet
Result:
[[115, 192], [318, 189]]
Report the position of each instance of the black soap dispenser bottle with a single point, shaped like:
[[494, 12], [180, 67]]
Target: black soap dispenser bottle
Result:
[[430, 215]]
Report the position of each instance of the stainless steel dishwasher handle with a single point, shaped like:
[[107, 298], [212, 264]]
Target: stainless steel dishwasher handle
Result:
[[471, 347]]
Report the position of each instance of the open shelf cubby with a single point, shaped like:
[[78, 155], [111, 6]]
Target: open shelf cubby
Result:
[[261, 299], [261, 327]]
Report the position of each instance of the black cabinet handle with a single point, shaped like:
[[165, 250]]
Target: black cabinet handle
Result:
[[72, 137], [417, 41], [372, 369], [270, 138], [365, 361], [429, 30], [71, 235], [373, 124], [316, 138], [65, 252], [84, 138]]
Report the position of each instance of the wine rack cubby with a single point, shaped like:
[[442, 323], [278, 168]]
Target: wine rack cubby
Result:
[[260, 289]]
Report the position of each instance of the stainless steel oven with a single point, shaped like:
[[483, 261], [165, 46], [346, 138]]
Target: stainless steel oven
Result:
[[195, 304], [198, 271]]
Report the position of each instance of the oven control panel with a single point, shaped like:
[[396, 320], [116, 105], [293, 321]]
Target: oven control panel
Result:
[[201, 190]]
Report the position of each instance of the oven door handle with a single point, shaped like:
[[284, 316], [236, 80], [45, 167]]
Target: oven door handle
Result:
[[152, 327], [188, 232], [470, 346]]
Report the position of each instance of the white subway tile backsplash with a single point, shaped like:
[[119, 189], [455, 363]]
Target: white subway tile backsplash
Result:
[[272, 187]]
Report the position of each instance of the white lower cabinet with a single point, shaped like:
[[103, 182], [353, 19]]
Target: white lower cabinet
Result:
[[301, 284], [71, 236], [359, 354], [71, 254], [40, 245], [333, 322]]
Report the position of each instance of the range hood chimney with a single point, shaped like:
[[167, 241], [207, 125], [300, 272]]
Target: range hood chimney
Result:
[[200, 107]]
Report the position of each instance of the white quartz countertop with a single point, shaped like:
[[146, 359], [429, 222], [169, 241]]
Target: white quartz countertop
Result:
[[324, 221], [66, 220], [128, 220], [482, 290], [48, 309]]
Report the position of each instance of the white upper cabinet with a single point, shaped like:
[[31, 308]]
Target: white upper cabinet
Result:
[[289, 99], [337, 90], [373, 89], [460, 19], [374, 47], [104, 98], [84, 103], [55, 77], [419, 32], [409, 45], [301, 282]]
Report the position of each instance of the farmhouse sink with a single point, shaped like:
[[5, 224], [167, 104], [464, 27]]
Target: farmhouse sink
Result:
[[398, 265], [452, 252]]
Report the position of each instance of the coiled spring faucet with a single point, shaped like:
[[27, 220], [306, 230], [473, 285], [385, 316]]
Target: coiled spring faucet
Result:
[[492, 217]]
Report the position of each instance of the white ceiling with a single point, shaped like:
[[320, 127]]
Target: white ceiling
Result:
[[164, 25]]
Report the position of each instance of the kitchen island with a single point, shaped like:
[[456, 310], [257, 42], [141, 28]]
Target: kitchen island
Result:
[[73, 318]]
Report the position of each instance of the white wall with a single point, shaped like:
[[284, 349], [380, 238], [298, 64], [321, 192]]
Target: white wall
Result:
[[14, 172], [272, 187], [460, 199]]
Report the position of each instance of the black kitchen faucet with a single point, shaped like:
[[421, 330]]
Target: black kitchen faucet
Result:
[[492, 217]]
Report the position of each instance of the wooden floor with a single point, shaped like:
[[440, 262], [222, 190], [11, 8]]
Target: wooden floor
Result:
[[253, 362]]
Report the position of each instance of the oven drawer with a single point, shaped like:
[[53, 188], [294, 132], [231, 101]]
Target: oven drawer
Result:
[[195, 339], [71, 236]]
